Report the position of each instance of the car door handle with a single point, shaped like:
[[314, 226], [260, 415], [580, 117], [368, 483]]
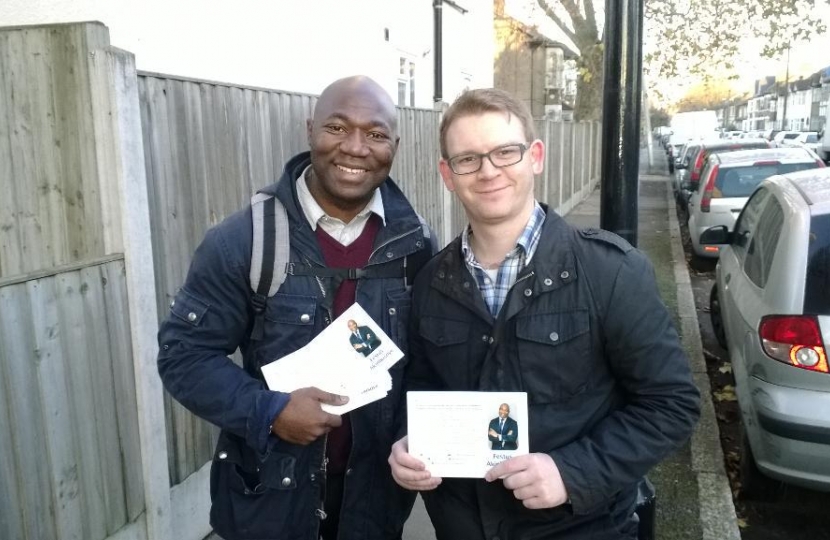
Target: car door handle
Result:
[[727, 278]]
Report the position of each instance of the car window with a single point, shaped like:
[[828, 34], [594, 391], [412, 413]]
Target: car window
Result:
[[747, 221], [762, 246], [790, 135], [691, 152], [812, 138], [742, 181], [817, 291]]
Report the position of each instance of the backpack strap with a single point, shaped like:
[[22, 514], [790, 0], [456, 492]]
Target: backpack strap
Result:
[[269, 253]]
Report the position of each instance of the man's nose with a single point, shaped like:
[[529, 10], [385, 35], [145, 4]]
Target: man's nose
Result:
[[355, 144], [487, 170]]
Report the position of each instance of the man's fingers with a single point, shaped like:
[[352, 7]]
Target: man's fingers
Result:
[[328, 398], [506, 468]]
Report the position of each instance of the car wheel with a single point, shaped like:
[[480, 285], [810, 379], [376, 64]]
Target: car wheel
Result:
[[716, 316], [754, 485]]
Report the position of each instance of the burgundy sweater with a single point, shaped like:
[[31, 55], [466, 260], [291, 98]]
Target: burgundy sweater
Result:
[[336, 255]]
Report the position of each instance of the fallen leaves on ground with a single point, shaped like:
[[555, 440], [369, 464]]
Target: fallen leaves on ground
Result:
[[727, 393]]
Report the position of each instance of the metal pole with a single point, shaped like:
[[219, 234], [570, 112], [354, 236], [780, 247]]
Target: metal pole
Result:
[[621, 118], [437, 11], [786, 91]]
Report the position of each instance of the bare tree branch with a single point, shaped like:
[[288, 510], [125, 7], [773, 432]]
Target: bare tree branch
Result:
[[556, 19]]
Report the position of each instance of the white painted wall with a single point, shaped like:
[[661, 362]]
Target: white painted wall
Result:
[[298, 46]]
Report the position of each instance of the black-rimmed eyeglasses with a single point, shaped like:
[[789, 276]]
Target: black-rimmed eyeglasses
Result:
[[502, 156]]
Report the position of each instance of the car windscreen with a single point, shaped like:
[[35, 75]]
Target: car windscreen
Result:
[[817, 291], [742, 181]]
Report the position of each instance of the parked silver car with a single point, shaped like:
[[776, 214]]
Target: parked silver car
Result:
[[729, 178], [770, 306]]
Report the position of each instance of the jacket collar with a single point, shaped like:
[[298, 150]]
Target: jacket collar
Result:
[[553, 266]]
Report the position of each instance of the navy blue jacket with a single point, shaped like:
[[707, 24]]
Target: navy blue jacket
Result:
[[263, 487], [610, 393]]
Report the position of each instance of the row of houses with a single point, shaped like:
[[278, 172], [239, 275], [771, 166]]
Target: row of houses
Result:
[[800, 105], [423, 52]]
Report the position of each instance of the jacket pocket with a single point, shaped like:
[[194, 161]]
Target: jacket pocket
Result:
[[188, 308], [444, 332], [555, 354], [252, 499], [290, 323], [446, 344]]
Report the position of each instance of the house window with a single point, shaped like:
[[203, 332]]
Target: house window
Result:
[[406, 82]]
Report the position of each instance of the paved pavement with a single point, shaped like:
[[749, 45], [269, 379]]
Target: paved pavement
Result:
[[694, 500]]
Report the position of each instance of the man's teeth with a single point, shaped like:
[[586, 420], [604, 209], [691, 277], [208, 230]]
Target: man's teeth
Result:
[[351, 171]]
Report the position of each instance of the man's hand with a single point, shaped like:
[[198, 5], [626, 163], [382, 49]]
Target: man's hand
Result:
[[408, 472], [357, 346], [534, 480], [492, 433], [303, 421]]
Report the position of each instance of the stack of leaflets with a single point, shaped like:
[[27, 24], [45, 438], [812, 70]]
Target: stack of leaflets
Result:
[[350, 358]]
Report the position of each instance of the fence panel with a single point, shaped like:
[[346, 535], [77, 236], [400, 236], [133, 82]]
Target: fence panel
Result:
[[71, 464], [51, 211]]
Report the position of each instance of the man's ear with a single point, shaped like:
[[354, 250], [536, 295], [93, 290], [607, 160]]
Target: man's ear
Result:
[[446, 174], [309, 124], [537, 156]]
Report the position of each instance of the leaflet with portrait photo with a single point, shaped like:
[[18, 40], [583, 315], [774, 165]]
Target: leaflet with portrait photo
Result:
[[351, 357], [465, 434]]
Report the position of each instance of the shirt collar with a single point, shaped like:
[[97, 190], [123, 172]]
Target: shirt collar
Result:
[[314, 212], [526, 242]]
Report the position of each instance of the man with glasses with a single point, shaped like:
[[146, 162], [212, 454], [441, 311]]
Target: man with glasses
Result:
[[521, 301]]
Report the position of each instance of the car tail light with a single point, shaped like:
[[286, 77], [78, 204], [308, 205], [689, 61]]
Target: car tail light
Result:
[[794, 340], [706, 198], [819, 163], [694, 177]]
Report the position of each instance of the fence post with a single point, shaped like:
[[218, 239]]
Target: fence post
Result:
[[117, 97]]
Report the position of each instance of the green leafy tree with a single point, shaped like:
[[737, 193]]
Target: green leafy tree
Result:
[[688, 37]]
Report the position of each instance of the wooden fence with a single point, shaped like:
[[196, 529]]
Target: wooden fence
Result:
[[108, 180]]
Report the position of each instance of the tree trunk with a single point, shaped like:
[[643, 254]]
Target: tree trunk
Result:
[[588, 104]]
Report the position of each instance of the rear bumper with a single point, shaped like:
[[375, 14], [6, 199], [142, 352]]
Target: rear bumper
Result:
[[790, 433]]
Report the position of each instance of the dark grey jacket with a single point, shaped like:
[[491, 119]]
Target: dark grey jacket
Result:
[[263, 487], [583, 332]]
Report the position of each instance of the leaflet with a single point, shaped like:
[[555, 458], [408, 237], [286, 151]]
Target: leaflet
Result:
[[465, 434], [351, 357]]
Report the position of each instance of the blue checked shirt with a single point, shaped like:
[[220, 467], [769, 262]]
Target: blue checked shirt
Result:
[[495, 292]]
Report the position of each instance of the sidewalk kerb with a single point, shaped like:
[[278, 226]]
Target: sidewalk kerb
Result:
[[717, 510]]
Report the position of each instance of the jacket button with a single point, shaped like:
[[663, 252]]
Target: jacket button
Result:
[[554, 336], [466, 284], [223, 455], [286, 482], [548, 282], [313, 477], [484, 338], [392, 311], [441, 274], [172, 303], [491, 340], [565, 274], [191, 316], [389, 254], [528, 292], [349, 471], [305, 317], [419, 244]]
